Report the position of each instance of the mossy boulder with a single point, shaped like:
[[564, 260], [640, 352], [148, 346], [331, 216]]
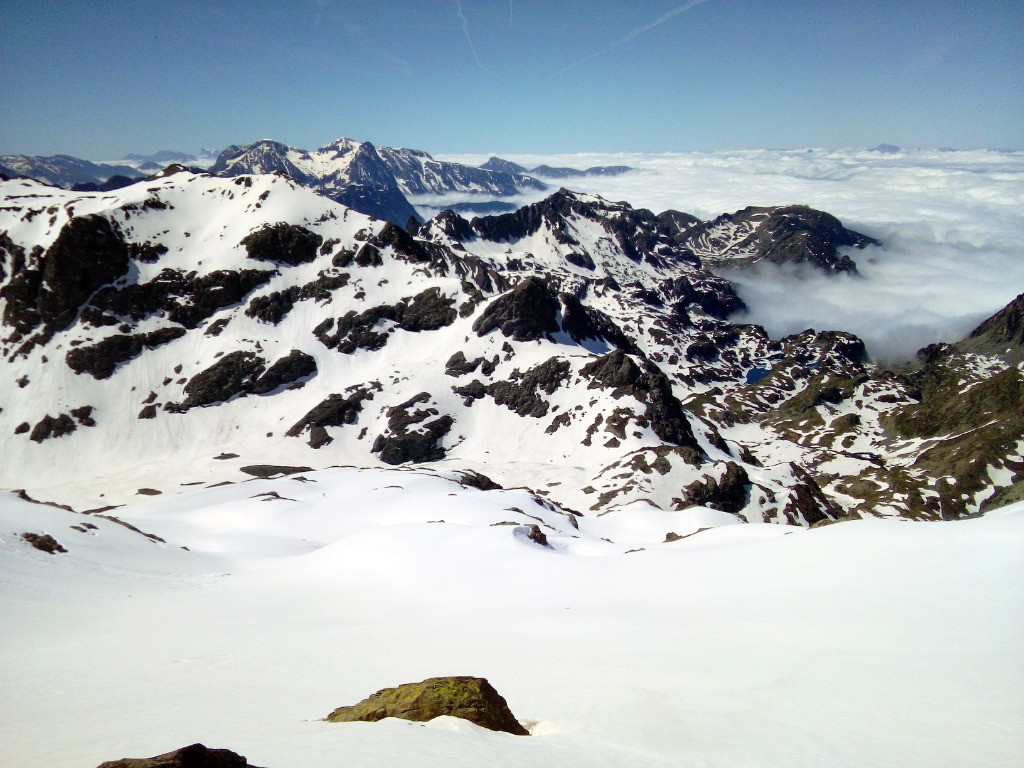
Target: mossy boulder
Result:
[[471, 698]]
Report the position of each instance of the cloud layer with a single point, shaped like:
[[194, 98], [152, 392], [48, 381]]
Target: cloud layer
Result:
[[951, 224]]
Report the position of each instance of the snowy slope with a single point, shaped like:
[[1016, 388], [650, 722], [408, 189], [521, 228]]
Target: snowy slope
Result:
[[269, 603]]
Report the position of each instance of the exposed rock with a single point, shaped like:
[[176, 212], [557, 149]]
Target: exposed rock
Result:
[[102, 358], [806, 502], [186, 299], [89, 252], [50, 426], [536, 535], [234, 374], [650, 386], [522, 392], [335, 411], [294, 367], [282, 243], [477, 480], [44, 542], [429, 310], [585, 323], [193, 756], [794, 234], [727, 493], [264, 471], [526, 313], [471, 698], [410, 437]]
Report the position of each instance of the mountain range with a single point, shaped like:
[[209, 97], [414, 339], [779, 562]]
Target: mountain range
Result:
[[194, 326], [371, 180]]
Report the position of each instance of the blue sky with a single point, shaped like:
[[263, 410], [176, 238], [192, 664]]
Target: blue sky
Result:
[[99, 79]]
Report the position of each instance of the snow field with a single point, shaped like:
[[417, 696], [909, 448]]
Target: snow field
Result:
[[864, 643]]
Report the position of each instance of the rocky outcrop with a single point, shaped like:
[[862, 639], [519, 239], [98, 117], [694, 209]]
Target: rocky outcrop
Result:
[[664, 413], [186, 299], [470, 698], [282, 243], [101, 359], [521, 393], [793, 234], [192, 756], [410, 437], [245, 373], [526, 313], [727, 492], [426, 311], [335, 411], [44, 542]]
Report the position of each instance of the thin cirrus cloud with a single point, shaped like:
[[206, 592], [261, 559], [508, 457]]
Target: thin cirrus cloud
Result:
[[630, 36], [465, 31], [950, 225]]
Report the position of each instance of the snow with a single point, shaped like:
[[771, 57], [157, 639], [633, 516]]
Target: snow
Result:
[[864, 643]]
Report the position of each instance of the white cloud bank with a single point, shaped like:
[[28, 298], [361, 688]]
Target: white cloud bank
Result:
[[951, 224]]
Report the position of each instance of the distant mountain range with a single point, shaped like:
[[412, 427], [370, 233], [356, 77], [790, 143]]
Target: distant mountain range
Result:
[[377, 182]]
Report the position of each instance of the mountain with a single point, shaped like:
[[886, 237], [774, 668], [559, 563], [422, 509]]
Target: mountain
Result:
[[349, 172], [370, 180], [195, 328], [420, 174], [794, 234], [62, 170], [548, 172]]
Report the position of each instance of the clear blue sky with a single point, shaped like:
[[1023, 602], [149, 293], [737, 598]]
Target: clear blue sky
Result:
[[98, 79]]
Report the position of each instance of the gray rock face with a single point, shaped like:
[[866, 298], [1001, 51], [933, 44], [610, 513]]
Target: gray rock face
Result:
[[471, 698]]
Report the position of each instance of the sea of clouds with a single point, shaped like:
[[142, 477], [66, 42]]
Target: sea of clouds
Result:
[[951, 224]]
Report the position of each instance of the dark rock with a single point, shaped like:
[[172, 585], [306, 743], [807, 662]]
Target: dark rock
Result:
[[44, 542], [101, 359], [193, 756], [282, 243], [410, 437], [234, 374], [294, 367], [458, 365], [471, 698], [148, 412], [649, 385], [427, 311], [49, 426], [477, 480], [526, 313], [264, 471], [89, 252], [807, 502], [536, 535], [728, 493], [522, 393], [22, 428], [584, 323], [187, 300], [335, 411]]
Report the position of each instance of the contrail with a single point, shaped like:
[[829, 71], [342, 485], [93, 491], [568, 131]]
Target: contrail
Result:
[[631, 35], [465, 31], [510, 13]]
